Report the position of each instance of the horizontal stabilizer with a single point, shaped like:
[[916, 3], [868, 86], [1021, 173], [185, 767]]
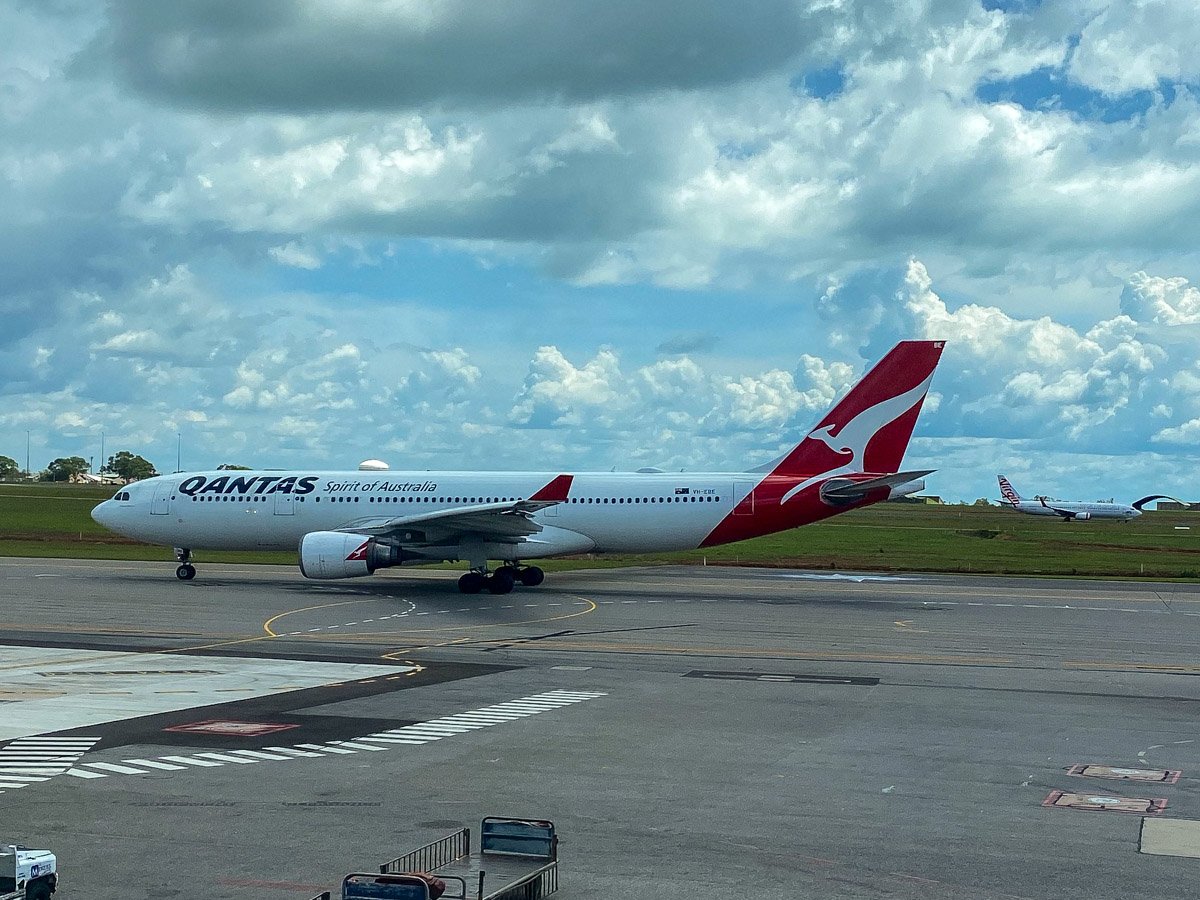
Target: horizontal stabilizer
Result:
[[847, 490]]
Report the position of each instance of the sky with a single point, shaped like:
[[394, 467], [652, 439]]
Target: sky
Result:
[[601, 235]]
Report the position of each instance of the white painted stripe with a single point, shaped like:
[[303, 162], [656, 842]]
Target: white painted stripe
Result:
[[486, 717], [518, 713], [442, 727], [154, 764], [114, 767], [50, 758], [292, 751], [530, 704], [83, 773], [225, 757], [33, 769], [39, 739], [416, 732], [57, 766], [530, 701], [258, 754], [47, 755], [192, 761], [387, 739]]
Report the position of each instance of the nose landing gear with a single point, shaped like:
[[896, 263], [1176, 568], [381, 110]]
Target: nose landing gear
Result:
[[186, 571]]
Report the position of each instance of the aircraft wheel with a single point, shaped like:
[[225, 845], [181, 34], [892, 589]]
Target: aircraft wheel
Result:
[[471, 583], [186, 572], [501, 581], [531, 576]]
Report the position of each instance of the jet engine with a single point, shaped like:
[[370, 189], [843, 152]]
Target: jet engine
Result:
[[1082, 517], [338, 554]]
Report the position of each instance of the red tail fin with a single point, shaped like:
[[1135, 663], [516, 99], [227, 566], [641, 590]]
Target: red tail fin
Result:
[[869, 429]]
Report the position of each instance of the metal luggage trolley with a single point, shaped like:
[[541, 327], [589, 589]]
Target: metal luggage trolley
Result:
[[517, 860]]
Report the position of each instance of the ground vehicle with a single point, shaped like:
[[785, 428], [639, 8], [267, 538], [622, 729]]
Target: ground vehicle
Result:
[[517, 860], [27, 874]]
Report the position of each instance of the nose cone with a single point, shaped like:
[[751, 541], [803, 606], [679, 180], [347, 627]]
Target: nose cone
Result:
[[102, 513]]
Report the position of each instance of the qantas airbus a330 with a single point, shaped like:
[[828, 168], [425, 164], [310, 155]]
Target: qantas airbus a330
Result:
[[347, 524]]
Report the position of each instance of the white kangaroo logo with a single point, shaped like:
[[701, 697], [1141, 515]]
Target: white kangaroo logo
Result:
[[853, 437]]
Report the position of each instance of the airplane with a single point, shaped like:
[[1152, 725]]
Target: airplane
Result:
[[1072, 510], [350, 524]]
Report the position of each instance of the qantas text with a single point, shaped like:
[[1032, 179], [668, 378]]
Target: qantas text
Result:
[[278, 484], [253, 484]]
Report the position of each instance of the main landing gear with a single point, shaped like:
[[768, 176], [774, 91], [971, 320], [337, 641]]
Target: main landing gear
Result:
[[186, 571], [501, 581]]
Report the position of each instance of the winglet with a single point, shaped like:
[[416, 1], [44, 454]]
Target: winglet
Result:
[[556, 491]]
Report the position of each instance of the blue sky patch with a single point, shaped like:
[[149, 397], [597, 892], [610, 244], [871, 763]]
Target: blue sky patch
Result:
[[1049, 88], [821, 83]]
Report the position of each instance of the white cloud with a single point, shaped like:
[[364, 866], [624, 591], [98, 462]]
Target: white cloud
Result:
[[1166, 301], [1133, 46], [354, 261]]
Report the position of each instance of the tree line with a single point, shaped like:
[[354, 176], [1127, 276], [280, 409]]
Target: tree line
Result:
[[125, 465]]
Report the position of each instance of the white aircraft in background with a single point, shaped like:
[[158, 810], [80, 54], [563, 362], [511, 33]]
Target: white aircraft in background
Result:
[[1072, 510], [347, 524]]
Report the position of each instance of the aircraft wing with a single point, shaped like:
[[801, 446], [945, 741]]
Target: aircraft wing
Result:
[[509, 521], [1065, 513]]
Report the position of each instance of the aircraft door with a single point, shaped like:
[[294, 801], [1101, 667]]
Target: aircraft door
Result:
[[160, 505], [284, 504], [743, 489]]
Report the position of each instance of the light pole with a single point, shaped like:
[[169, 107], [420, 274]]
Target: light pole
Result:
[[101, 451], [26, 454], [178, 452]]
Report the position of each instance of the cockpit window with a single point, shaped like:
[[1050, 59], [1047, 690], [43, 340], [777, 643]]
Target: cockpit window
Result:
[[124, 495]]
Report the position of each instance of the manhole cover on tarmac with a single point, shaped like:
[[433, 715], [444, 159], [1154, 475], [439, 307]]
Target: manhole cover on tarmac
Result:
[[1159, 776], [230, 727], [1105, 803]]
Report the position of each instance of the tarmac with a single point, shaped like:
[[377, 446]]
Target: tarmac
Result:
[[693, 732]]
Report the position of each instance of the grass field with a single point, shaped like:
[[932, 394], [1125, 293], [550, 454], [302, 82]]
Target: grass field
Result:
[[52, 520]]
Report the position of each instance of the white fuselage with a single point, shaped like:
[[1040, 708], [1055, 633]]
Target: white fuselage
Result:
[[1070, 508], [604, 512]]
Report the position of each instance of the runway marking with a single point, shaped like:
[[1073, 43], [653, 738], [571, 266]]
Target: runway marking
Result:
[[409, 735], [30, 760], [589, 607]]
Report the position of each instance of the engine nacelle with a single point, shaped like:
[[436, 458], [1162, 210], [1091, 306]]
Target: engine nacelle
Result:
[[1083, 517], [338, 554]]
